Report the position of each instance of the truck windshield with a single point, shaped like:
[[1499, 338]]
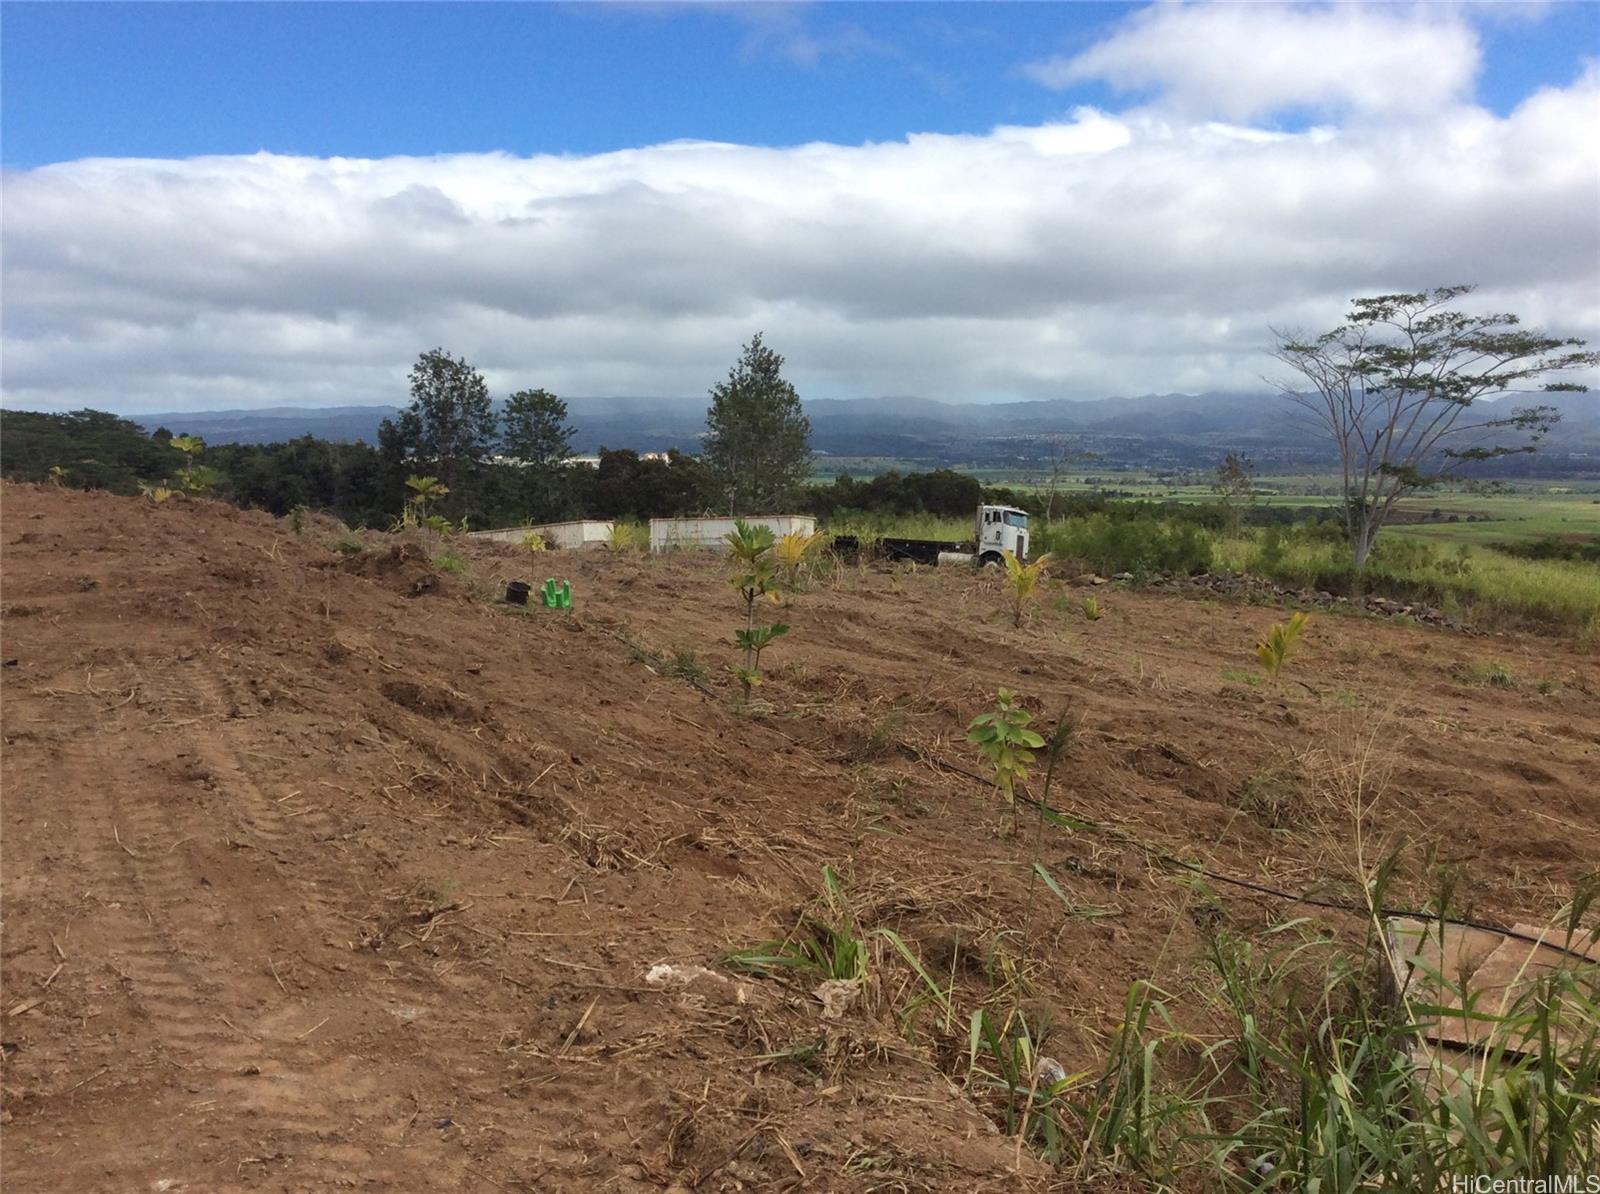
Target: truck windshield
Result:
[[1014, 519]]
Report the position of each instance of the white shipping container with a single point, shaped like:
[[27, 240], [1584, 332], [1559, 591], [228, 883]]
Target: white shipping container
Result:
[[669, 534], [588, 532]]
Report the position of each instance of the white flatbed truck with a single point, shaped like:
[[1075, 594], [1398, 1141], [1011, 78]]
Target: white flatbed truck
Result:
[[997, 529]]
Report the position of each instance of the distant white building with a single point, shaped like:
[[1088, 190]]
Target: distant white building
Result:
[[594, 461]]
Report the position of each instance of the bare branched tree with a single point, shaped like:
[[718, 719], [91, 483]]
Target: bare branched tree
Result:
[[1064, 454], [1398, 386]]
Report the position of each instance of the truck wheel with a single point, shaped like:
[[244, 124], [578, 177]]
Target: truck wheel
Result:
[[989, 559]]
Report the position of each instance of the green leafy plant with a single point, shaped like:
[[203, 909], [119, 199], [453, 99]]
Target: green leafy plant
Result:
[[829, 944], [58, 475], [826, 944], [1275, 648], [1005, 1062], [424, 492], [627, 536], [1309, 1079], [1238, 675], [1269, 555], [1318, 1069], [533, 543], [194, 477], [685, 664], [755, 579], [1022, 582], [792, 552], [1092, 610], [1007, 743], [198, 478], [752, 641], [1492, 672], [451, 562]]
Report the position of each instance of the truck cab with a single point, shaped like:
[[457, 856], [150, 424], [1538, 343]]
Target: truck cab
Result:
[[1001, 528]]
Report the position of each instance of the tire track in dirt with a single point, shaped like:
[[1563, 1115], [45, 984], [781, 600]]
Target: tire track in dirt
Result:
[[130, 839], [313, 1107], [151, 927], [290, 841], [180, 951]]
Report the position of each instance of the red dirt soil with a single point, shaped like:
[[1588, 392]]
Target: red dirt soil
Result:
[[328, 870]]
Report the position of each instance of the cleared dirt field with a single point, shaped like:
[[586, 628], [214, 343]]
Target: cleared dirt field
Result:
[[322, 870]]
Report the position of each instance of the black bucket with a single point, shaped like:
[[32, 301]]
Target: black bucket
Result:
[[517, 592]]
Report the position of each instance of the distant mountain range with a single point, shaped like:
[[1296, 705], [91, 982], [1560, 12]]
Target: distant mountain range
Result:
[[1151, 432]]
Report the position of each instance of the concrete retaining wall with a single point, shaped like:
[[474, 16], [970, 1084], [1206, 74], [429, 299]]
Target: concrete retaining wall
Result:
[[668, 534], [588, 532]]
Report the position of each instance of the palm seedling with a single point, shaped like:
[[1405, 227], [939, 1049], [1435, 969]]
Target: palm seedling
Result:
[[793, 551], [1022, 582], [1274, 649], [627, 536]]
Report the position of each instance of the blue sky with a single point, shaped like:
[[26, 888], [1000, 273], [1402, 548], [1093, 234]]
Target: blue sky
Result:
[[371, 80], [242, 205]]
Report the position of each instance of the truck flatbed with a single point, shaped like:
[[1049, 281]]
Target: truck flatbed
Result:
[[920, 551]]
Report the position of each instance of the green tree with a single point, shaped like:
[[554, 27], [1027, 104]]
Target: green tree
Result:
[[1235, 488], [1400, 387], [624, 485], [449, 426], [93, 449], [536, 434], [758, 442]]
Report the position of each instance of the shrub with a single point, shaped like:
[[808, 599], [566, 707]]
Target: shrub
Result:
[[1491, 672], [1143, 546], [1269, 557], [1552, 548], [685, 664], [1309, 1081], [628, 536]]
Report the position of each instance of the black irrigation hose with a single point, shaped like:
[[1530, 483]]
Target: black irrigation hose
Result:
[[1261, 888]]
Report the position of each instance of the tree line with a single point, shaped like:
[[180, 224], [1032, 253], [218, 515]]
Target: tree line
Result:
[[491, 468], [1410, 389], [363, 486]]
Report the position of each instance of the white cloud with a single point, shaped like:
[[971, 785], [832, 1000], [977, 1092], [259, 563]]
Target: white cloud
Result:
[[1102, 254], [1240, 61]]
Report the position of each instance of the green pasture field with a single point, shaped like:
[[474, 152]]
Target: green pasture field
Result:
[[1470, 578], [1521, 512], [1506, 518]]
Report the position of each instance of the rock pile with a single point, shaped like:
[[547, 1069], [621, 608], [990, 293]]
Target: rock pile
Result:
[[1241, 586]]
